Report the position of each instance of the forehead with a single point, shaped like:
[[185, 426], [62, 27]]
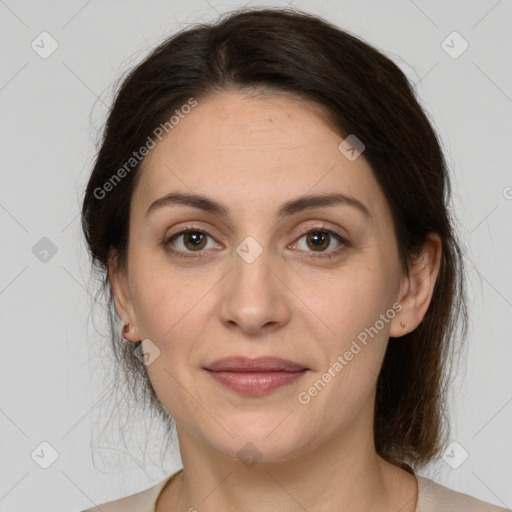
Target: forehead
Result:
[[254, 152]]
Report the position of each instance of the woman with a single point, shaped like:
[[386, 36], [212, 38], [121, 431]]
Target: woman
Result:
[[269, 207]]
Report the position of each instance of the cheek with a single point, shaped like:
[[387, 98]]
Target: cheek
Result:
[[163, 298], [170, 315], [357, 307], [338, 391], [351, 300], [171, 310]]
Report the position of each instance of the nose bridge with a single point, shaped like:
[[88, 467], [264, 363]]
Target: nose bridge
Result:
[[253, 296], [251, 263]]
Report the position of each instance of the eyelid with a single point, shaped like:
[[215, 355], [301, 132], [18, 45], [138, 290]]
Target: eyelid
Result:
[[333, 233], [166, 242], [318, 226], [321, 226]]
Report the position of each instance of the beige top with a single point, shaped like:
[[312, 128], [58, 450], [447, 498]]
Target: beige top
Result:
[[432, 497]]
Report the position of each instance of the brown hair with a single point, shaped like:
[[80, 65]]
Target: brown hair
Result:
[[362, 92]]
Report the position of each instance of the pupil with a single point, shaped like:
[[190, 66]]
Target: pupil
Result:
[[195, 239], [318, 237]]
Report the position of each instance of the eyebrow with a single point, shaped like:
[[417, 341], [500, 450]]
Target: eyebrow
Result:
[[289, 208]]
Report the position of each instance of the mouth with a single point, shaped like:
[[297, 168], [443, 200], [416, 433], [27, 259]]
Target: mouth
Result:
[[255, 376]]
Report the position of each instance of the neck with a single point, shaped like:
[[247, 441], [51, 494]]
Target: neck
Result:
[[344, 474]]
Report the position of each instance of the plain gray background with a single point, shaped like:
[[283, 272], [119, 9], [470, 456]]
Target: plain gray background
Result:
[[51, 369]]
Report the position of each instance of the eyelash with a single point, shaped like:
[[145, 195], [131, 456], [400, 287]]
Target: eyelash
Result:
[[193, 229]]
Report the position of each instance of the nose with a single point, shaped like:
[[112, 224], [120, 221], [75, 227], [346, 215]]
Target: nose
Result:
[[255, 298]]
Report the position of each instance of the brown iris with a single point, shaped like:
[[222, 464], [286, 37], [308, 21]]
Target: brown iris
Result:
[[319, 238], [197, 240]]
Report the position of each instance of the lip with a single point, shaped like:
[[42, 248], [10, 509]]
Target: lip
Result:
[[259, 364], [255, 376]]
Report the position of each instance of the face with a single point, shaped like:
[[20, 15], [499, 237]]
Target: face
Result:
[[247, 281]]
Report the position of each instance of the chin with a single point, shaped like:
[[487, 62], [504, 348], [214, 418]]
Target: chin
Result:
[[256, 439]]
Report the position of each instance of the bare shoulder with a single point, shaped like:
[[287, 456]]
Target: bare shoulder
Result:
[[434, 497]]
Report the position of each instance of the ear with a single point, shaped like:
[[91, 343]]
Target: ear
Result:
[[417, 288], [119, 284]]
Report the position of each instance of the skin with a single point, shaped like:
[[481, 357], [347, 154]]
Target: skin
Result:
[[253, 154]]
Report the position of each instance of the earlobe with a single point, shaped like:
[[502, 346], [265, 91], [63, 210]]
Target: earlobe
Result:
[[418, 287], [126, 331], [122, 299]]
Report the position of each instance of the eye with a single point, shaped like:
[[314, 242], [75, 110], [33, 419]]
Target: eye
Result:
[[318, 240], [193, 240]]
